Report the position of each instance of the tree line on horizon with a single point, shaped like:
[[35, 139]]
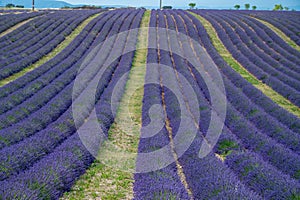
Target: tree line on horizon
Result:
[[191, 5], [247, 7], [276, 7]]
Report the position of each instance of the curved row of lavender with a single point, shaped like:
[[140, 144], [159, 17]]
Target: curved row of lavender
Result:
[[37, 38], [59, 103], [255, 128], [28, 35], [11, 19], [41, 154], [287, 22], [259, 50], [16, 106], [164, 183], [45, 163], [260, 145]]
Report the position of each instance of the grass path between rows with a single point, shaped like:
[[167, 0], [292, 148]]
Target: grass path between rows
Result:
[[52, 54], [18, 25], [226, 55], [110, 176], [281, 34]]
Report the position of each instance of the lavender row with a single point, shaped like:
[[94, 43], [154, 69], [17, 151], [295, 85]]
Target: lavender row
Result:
[[46, 140], [165, 182], [255, 117], [273, 58], [35, 52], [43, 32], [26, 32], [221, 181], [259, 104], [8, 11], [262, 121], [36, 30], [172, 112], [236, 46], [255, 113], [14, 55], [12, 38], [50, 177], [55, 107], [237, 128], [70, 159], [70, 64], [29, 31], [283, 21], [284, 89], [250, 169], [9, 20], [39, 77], [274, 41], [210, 168]]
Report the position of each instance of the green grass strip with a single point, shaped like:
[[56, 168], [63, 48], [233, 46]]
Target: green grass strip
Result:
[[110, 176], [281, 34], [50, 55], [268, 91]]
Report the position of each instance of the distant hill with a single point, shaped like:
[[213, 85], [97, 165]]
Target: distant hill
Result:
[[38, 3], [46, 4]]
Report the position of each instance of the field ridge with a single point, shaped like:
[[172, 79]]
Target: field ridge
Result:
[[113, 173], [281, 34], [60, 47], [16, 26], [222, 50]]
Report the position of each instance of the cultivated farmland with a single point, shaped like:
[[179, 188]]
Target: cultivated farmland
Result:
[[149, 104]]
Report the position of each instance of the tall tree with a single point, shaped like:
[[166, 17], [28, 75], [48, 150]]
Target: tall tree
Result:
[[278, 7], [247, 6], [192, 5], [254, 7], [237, 6]]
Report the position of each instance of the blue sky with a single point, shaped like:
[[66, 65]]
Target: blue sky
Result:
[[262, 4]]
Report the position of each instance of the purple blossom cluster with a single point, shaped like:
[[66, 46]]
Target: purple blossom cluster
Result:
[[287, 22], [37, 38], [259, 50], [207, 178], [164, 183], [54, 98], [250, 127], [46, 163], [256, 157], [10, 19], [260, 146]]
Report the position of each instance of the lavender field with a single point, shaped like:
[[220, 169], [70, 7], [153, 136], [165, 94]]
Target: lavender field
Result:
[[212, 112]]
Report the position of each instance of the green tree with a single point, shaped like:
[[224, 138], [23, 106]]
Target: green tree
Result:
[[254, 7], [192, 5], [237, 6], [10, 5], [286, 8], [278, 7], [247, 6], [167, 7]]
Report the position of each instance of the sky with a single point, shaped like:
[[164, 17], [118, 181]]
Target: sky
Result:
[[261, 4]]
